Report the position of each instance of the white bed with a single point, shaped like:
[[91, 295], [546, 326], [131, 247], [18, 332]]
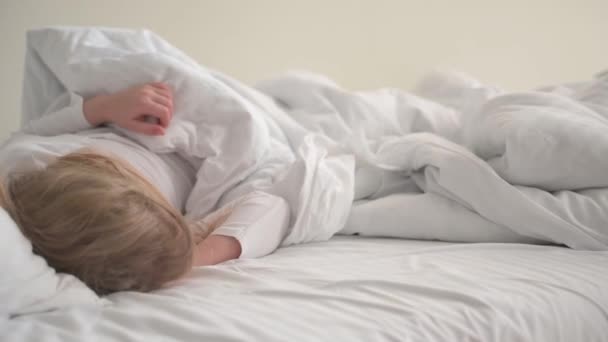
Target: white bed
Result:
[[358, 289], [348, 288]]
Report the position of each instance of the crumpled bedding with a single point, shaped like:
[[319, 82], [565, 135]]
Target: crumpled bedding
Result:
[[530, 165]]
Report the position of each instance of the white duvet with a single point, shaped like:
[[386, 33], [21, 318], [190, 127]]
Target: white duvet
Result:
[[527, 166]]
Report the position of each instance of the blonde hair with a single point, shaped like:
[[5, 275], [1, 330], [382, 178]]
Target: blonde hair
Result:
[[4, 199], [94, 217]]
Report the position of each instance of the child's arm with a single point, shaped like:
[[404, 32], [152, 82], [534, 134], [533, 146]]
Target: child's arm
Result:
[[216, 249], [129, 109], [250, 227]]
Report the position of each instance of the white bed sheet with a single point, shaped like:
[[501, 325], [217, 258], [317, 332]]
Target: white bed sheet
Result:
[[364, 289]]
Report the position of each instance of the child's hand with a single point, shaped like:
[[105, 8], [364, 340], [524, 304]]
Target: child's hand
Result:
[[145, 109]]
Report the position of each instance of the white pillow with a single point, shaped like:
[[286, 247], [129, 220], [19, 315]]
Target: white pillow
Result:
[[25, 152], [28, 284]]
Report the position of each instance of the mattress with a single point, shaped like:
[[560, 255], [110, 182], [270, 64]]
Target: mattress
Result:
[[358, 289]]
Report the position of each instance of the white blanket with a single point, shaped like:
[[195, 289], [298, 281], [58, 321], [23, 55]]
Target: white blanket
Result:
[[531, 164]]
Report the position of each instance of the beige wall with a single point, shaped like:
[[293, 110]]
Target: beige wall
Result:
[[362, 44]]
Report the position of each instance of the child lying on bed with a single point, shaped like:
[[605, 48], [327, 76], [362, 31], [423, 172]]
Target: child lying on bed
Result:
[[110, 211]]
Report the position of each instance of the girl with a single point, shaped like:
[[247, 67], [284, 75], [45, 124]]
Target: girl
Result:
[[110, 211]]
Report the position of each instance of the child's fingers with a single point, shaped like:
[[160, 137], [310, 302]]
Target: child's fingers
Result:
[[164, 91], [158, 111], [160, 86], [163, 101], [165, 95], [144, 127]]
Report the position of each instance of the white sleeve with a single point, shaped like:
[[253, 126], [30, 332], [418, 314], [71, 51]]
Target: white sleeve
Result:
[[64, 115], [259, 222]]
